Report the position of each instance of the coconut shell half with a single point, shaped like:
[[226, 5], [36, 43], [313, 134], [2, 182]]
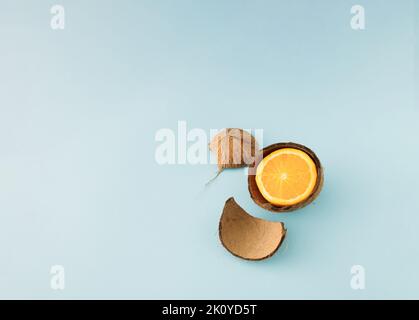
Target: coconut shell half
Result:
[[254, 190], [248, 237]]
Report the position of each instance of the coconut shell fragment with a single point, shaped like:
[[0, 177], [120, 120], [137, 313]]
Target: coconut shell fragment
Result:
[[258, 197], [249, 237], [234, 148]]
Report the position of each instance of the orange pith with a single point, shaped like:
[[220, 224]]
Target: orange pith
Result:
[[286, 176]]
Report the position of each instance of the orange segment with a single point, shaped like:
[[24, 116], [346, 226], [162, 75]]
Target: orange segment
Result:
[[286, 176]]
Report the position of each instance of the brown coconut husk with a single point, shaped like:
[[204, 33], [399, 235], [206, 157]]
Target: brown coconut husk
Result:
[[254, 190], [234, 148], [248, 237]]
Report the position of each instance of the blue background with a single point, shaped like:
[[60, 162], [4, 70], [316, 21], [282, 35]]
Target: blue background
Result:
[[79, 109]]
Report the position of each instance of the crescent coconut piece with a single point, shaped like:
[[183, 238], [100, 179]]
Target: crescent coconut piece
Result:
[[249, 237]]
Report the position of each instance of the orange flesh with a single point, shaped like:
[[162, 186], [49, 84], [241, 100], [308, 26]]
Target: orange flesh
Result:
[[286, 176]]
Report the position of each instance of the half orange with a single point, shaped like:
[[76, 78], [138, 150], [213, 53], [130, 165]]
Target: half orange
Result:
[[286, 176]]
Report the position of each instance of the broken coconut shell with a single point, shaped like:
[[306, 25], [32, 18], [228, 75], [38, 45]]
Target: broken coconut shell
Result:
[[234, 148], [248, 237], [254, 190]]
